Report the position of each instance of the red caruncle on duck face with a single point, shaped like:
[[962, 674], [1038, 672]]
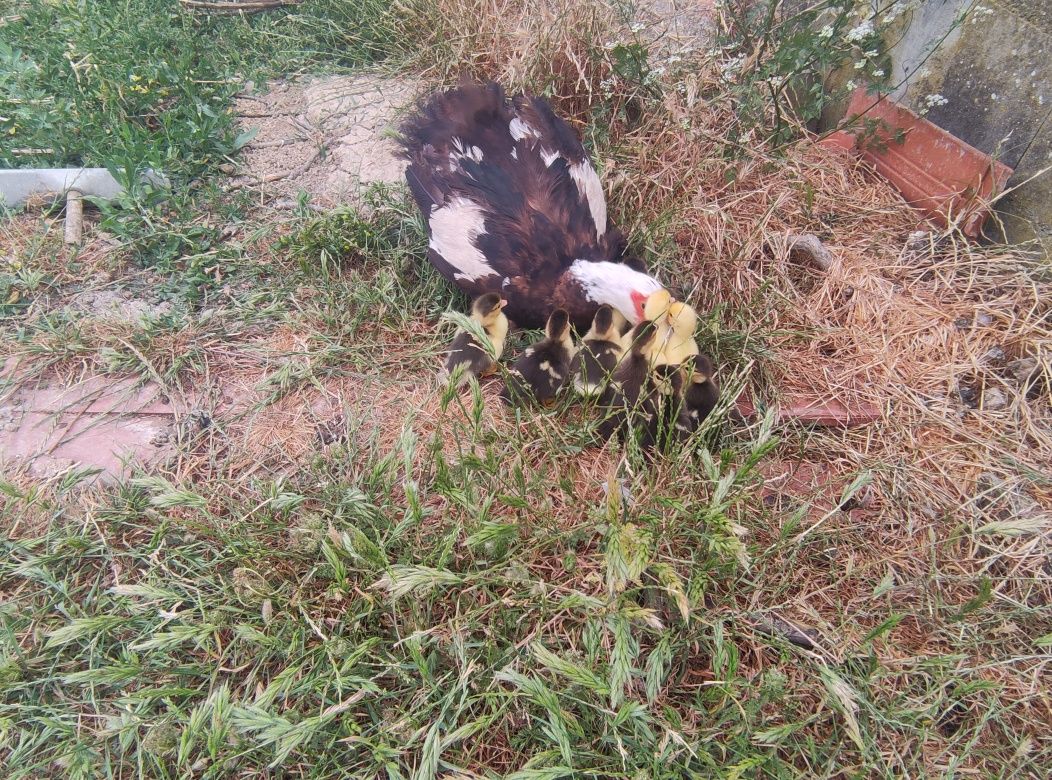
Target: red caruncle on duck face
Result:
[[639, 300]]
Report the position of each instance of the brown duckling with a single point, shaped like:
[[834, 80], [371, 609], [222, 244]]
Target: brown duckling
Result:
[[487, 311], [630, 397], [601, 350], [543, 368], [697, 395]]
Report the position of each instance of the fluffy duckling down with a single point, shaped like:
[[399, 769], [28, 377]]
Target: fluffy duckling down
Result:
[[655, 310], [679, 345], [600, 352], [487, 311], [543, 368], [697, 395], [630, 400]]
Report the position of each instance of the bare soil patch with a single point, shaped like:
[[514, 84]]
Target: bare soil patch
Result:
[[324, 136]]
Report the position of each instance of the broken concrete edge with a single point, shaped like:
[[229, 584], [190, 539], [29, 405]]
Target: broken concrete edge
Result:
[[949, 181], [823, 412]]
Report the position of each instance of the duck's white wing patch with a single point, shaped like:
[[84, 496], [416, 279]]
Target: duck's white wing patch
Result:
[[454, 228], [520, 129], [591, 191], [460, 151]]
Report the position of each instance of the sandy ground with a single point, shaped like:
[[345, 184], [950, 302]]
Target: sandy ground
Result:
[[325, 137]]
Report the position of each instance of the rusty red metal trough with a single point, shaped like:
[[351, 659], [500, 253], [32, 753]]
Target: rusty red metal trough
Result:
[[940, 175]]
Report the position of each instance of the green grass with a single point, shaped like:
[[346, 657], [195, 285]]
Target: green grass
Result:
[[468, 597], [437, 607], [134, 83], [459, 590]]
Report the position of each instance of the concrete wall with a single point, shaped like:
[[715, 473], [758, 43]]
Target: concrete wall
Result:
[[994, 71]]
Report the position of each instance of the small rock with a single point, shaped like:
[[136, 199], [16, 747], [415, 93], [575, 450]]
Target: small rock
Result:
[[808, 248], [227, 168], [962, 323], [918, 240], [1023, 370], [994, 355], [994, 400], [984, 320]]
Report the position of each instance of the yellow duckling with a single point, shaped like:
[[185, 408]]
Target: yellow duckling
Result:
[[655, 310], [487, 311], [679, 344]]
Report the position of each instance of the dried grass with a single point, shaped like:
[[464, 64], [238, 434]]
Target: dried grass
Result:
[[900, 323], [883, 325], [554, 47]]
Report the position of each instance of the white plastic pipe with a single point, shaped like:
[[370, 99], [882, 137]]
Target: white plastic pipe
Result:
[[21, 184]]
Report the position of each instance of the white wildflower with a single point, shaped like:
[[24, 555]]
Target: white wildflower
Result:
[[732, 66], [826, 32], [860, 64], [851, 85], [860, 33], [637, 27], [979, 13], [878, 74], [898, 9], [935, 100]]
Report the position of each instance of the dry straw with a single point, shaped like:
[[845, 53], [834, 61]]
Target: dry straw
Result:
[[950, 339]]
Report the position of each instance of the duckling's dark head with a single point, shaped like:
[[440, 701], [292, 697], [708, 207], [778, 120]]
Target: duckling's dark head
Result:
[[558, 327], [702, 369], [642, 338], [603, 322], [487, 307]]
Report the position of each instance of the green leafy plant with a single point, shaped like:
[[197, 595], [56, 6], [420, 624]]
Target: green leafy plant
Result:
[[779, 56]]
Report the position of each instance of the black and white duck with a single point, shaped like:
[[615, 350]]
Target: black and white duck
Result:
[[513, 206]]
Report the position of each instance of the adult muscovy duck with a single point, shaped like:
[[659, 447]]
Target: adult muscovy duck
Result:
[[514, 206]]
